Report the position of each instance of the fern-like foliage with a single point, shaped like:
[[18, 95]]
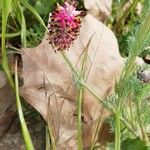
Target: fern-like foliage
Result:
[[130, 102]]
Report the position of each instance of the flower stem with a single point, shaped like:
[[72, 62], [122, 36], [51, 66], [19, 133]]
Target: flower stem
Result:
[[117, 129], [79, 119], [84, 83], [80, 97]]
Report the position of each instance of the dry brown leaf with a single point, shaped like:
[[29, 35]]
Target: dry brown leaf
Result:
[[100, 9], [49, 85]]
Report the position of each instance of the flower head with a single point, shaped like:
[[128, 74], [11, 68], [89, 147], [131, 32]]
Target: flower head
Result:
[[64, 26]]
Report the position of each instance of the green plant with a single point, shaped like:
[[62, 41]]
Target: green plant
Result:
[[130, 122], [7, 7], [25, 132], [126, 89]]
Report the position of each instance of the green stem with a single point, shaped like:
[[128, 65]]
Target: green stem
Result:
[[117, 114], [143, 31], [144, 135], [11, 35], [47, 139], [97, 128], [5, 11], [53, 144], [34, 12], [83, 82], [80, 97], [127, 125], [52, 138], [96, 96], [125, 14], [79, 118], [70, 64], [25, 132], [131, 113], [117, 130]]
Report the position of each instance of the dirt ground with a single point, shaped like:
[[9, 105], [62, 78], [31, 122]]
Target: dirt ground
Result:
[[13, 140]]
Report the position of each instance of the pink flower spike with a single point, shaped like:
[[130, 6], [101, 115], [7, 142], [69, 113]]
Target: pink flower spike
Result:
[[64, 26], [71, 9]]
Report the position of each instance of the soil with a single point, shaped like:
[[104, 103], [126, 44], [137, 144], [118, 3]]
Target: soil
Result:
[[13, 140]]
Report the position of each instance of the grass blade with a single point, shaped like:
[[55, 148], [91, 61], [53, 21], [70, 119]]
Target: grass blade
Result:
[[34, 12], [6, 4], [48, 145], [18, 10], [23, 29], [11, 35], [25, 132]]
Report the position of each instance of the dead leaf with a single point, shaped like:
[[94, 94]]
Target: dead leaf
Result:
[[100, 9], [49, 84]]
